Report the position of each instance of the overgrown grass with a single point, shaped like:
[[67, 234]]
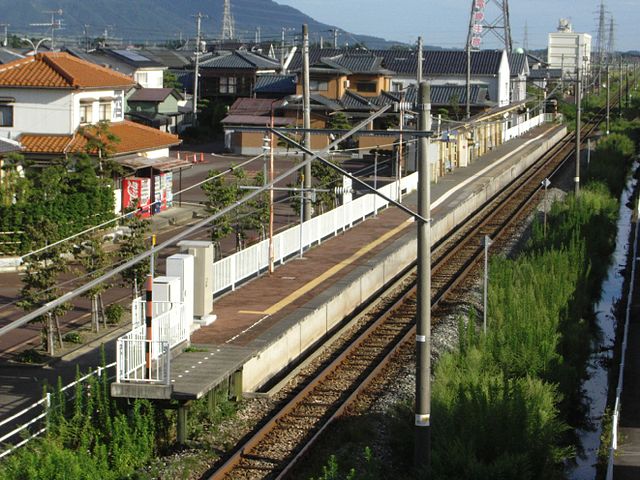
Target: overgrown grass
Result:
[[91, 437]]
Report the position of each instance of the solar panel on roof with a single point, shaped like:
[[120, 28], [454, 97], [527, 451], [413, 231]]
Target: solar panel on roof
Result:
[[133, 56]]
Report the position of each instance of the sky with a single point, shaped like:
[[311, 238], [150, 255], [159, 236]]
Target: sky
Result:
[[445, 23]]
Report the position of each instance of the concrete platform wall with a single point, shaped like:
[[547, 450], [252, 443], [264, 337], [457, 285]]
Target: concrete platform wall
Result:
[[307, 326]]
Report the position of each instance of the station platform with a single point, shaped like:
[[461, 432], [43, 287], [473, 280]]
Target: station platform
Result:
[[270, 321]]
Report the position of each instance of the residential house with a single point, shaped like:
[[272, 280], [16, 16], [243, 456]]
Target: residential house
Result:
[[144, 70], [51, 103], [231, 75], [158, 108], [519, 70]]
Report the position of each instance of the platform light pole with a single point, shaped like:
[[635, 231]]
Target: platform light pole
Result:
[[422, 452], [306, 118]]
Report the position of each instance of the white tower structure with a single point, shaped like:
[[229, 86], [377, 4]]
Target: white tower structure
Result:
[[228, 26]]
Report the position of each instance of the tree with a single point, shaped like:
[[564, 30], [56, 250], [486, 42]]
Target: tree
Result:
[[169, 80], [40, 279], [101, 141], [94, 259], [454, 102], [220, 194], [133, 244]]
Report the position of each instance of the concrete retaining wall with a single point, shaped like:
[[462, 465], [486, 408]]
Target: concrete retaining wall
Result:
[[294, 335]]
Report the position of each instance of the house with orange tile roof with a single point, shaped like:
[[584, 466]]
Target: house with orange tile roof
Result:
[[52, 103]]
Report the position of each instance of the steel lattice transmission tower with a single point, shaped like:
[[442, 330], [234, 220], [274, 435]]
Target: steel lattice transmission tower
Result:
[[480, 23], [601, 38], [611, 44], [228, 26]]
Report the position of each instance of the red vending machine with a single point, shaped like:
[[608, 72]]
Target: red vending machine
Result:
[[136, 193]]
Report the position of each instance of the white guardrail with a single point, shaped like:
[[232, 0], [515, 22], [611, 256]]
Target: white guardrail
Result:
[[618, 405], [524, 127], [37, 411], [232, 270], [169, 329]]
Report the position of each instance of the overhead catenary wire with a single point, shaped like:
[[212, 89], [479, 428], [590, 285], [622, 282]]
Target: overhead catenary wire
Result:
[[194, 228]]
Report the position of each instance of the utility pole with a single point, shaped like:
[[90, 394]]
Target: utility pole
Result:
[[608, 99], [198, 18], [306, 119], [5, 40], [86, 37], [620, 87], [419, 68], [576, 179], [562, 74], [422, 451], [487, 243], [335, 37]]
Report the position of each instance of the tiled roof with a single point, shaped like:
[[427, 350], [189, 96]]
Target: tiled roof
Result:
[[357, 62], [240, 60], [133, 137], [153, 94], [435, 62], [8, 146], [353, 101], [253, 106], [59, 70], [282, 84], [550, 73], [135, 58], [169, 58], [7, 55], [255, 120], [518, 64], [441, 95]]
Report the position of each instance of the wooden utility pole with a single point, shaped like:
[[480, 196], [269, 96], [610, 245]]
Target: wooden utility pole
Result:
[[422, 452], [307, 120]]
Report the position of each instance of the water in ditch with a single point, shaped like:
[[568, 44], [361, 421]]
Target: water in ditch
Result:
[[596, 386]]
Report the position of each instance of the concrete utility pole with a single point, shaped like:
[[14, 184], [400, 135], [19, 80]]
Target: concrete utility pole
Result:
[[5, 40], [198, 18], [335, 37], [419, 67], [608, 99], [422, 452], [306, 105], [620, 87], [576, 179]]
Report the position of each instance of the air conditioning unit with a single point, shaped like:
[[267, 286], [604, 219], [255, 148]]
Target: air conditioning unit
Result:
[[347, 84]]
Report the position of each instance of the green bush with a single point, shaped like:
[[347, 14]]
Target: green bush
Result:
[[114, 313], [73, 337]]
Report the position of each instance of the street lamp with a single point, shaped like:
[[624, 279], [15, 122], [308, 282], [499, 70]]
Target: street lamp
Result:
[[36, 45]]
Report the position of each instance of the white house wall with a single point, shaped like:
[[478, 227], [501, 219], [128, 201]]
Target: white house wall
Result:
[[117, 115], [39, 111], [154, 78]]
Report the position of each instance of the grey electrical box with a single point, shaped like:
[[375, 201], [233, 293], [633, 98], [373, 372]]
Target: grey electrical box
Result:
[[203, 278]]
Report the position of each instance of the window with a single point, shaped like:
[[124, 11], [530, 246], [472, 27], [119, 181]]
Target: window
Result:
[[227, 84], [366, 87], [141, 78], [86, 113], [6, 115], [396, 86], [105, 111], [318, 85]]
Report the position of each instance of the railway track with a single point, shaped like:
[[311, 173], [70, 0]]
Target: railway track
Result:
[[275, 448]]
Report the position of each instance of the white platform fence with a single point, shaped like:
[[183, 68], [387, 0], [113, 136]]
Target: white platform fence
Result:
[[169, 329], [240, 266], [524, 127]]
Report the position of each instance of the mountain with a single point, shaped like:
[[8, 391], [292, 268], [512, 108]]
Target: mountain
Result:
[[141, 20]]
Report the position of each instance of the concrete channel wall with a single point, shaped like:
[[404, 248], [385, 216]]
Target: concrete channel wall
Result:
[[293, 336]]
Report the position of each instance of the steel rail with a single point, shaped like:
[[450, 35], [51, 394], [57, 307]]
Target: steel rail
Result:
[[561, 149]]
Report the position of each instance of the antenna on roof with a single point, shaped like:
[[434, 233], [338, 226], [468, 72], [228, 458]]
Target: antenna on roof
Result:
[[54, 25]]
